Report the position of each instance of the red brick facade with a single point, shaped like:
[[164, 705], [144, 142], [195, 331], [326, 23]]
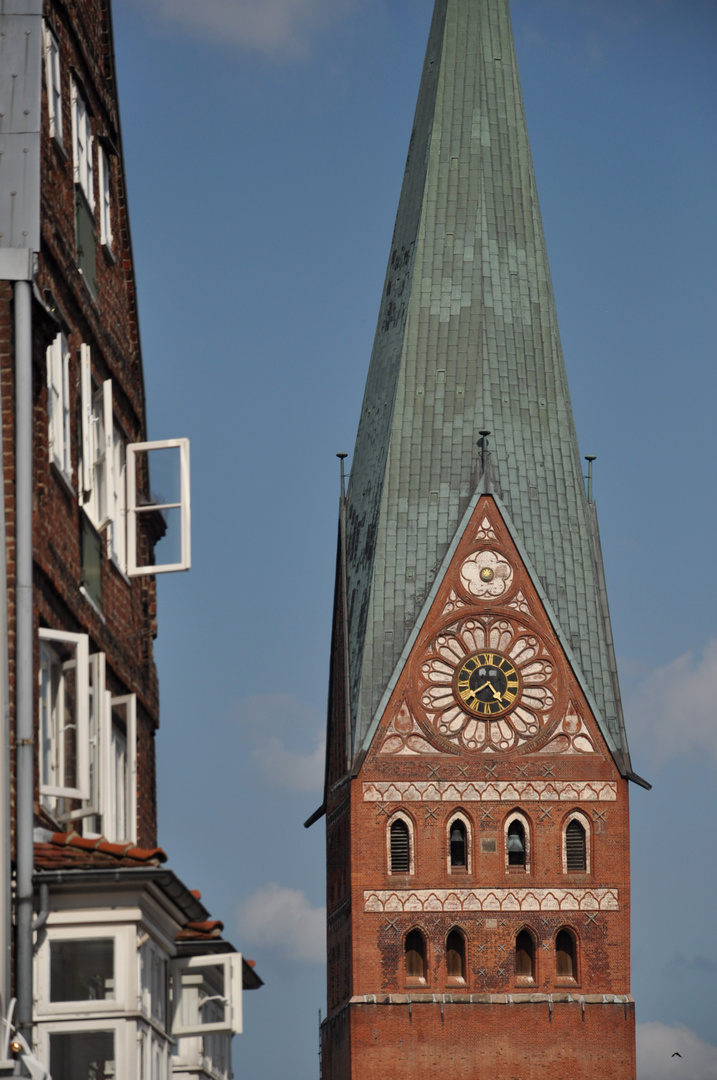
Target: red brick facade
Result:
[[103, 317], [541, 761]]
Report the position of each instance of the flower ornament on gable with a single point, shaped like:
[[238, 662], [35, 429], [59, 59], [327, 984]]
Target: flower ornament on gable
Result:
[[486, 575]]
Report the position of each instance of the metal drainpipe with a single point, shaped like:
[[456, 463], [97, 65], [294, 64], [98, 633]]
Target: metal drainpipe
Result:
[[5, 876], [24, 727]]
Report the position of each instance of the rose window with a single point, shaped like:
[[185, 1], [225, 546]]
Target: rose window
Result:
[[487, 684]]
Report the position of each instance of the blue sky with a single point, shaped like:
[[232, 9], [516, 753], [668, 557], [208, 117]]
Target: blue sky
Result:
[[264, 145]]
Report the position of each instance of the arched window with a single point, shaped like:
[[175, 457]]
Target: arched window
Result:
[[575, 846], [400, 847], [456, 955], [458, 840], [565, 955], [525, 955], [516, 843], [415, 948]]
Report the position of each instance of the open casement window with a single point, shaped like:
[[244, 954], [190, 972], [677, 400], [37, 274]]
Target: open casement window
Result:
[[105, 199], [64, 721], [160, 524], [206, 994], [118, 499], [52, 79], [58, 405], [82, 146], [97, 444], [96, 709], [119, 794]]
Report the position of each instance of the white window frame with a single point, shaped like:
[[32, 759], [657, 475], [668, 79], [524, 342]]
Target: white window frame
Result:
[[105, 178], [134, 510], [117, 495], [123, 1031], [124, 939], [233, 976], [108, 804], [82, 145], [53, 81], [58, 405], [97, 444], [81, 643]]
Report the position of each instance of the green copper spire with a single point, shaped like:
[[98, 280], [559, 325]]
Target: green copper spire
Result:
[[467, 339]]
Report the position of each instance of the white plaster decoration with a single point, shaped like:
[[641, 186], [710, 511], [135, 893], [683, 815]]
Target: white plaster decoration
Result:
[[485, 531], [536, 697], [453, 603], [519, 603], [572, 737], [405, 737], [487, 575], [475, 900], [507, 791]]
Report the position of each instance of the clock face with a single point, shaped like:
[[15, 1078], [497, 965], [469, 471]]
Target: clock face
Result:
[[487, 684]]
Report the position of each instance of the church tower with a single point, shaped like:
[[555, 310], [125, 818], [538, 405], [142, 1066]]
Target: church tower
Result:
[[476, 797]]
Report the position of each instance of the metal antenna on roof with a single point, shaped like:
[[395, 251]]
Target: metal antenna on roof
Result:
[[342, 458], [590, 458]]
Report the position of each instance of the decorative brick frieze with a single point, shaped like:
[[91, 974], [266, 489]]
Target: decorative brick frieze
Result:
[[506, 791], [503, 900]]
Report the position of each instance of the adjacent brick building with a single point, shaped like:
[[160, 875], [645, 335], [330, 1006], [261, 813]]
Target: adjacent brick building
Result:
[[478, 890], [125, 956]]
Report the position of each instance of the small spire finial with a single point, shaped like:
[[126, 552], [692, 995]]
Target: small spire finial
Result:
[[482, 445], [590, 458], [342, 458]]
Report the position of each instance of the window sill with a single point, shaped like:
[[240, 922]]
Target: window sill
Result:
[[118, 569], [59, 147], [92, 603], [108, 253], [63, 478]]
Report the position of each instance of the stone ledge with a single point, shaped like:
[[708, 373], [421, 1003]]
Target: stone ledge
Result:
[[492, 999]]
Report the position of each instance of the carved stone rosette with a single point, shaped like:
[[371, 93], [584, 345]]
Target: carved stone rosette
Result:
[[455, 727]]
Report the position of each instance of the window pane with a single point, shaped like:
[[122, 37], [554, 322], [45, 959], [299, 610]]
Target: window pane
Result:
[[199, 996], [82, 970], [82, 1055]]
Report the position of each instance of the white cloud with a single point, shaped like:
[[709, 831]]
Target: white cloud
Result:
[[287, 740], [283, 921], [673, 709], [272, 27], [656, 1043]]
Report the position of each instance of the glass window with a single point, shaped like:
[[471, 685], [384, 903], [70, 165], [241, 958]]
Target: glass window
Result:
[[82, 1055], [63, 720], [105, 199], [58, 404], [82, 970], [82, 146], [54, 88]]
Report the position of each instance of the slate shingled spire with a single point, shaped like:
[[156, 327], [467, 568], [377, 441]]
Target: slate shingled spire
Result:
[[467, 338]]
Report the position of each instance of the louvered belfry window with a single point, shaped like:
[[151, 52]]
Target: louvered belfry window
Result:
[[525, 955], [400, 850], [456, 955], [575, 848]]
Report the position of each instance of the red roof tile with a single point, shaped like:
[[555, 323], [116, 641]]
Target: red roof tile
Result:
[[201, 931], [67, 850]]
